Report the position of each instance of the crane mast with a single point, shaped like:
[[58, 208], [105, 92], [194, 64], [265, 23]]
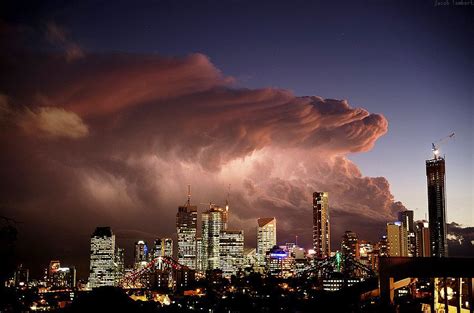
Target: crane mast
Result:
[[435, 145]]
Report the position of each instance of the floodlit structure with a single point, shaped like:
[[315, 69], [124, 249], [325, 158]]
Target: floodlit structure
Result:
[[186, 225], [231, 251], [422, 232], [141, 254], [350, 244], [321, 227], [280, 263], [406, 218], [102, 265], [163, 247], [397, 243], [213, 222], [266, 238]]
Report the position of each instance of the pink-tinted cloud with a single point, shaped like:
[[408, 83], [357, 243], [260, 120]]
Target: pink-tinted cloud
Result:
[[131, 131]]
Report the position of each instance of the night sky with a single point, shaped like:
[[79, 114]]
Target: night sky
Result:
[[108, 110]]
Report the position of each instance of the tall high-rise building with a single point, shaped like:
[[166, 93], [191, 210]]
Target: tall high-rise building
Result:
[[199, 255], [350, 244], [321, 229], [422, 232], [102, 265], [406, 217], [186, 226], [231, 252], [435, 173], [397, 244], [120, 263], [266, 238], [212, 225], [141, 253], [61, 277], [163, 247]]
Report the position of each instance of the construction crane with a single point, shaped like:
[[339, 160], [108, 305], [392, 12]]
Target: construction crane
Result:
[[435, 145]]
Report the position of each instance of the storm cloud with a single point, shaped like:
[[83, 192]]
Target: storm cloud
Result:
[[114, 139]]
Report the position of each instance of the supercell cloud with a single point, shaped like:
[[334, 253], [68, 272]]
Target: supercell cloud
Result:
[[91, 139]]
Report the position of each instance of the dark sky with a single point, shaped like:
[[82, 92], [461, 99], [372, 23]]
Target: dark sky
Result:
[[109, 109]]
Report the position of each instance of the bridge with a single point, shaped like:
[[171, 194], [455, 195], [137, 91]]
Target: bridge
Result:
[[160, 263]]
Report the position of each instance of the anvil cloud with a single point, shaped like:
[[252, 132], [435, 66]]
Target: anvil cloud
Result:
[[115, 138]]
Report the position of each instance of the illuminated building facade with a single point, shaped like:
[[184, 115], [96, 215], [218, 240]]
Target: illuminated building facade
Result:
[[321, 228], [406, 218], [21, 277], [212, 225], [199, 255], [120, 263], [279, 263], [422, 232], [163, 247], [102, 265], [337, 283], [435, 174], [141, 254], [397, 240], [266, 238], [186, 225], [366, 253], [350, 244], [231, 251]]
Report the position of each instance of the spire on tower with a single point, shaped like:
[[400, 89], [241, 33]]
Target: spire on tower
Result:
[[189, 194]]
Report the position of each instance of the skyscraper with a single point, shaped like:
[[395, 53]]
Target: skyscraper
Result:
[[395, 237], [422, 232], [350, 245], [408, 231], [102, 265], [435, 173], [321, 228], [163, 247], [266, 237], [213, 222], [231, 251], [141, 253], [186, 222]]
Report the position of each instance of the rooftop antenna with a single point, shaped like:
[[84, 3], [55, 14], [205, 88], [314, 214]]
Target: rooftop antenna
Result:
[[435, 145], [189, 195], [227, 199]]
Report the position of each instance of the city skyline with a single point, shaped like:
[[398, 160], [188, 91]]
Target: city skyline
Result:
[[106, 120]]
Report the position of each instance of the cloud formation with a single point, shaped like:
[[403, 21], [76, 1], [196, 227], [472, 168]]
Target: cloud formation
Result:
[[134, 130]]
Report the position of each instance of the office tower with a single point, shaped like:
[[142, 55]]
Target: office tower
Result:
[[199, 255], [60, 277], [406, 217], [397, 245], [350, 245], [163, 247], [212, 225], [141, 254], [231, 252], [21, 276], [422, 232], [186, 222], [102, 265], [266, 238], [383, 246], [321, 229], [250, 258], [167, 247], [279, 262], [120, 262], [435, 173], [366, 252]]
